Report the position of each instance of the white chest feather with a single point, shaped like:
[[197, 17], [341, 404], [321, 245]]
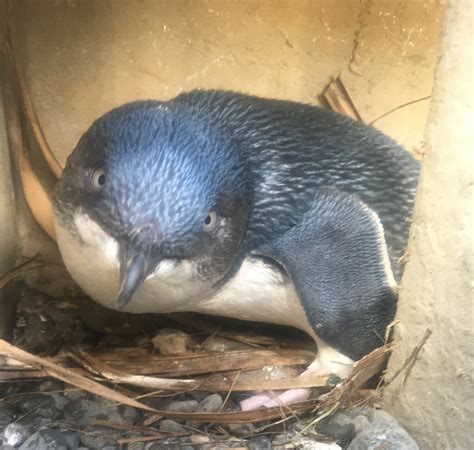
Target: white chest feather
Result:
[[257, 292]]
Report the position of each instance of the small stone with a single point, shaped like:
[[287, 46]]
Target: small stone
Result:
[[234, 442], [171, 342], [60, 401], [50, 385], [219, 344], [313, 445], [260, 443], [8, 389], [170, 426], [40, 405], [217, 446], [211, 404], [73, 439], [199, 439], [8, 414], [159, 403], [167, 444], [15, 434], [40, 336], [74, 394], [81, 412], [383, 432], [46, 439], [241, 429], [366, 411], [184, 406], [100, 439], [340, 419], [383, 418], [198, 396], [141, 341], [112, 340], [360, 423], [339, 427], [101, 319], [131, 415], [34, 401], [34, 422], [136, 446]]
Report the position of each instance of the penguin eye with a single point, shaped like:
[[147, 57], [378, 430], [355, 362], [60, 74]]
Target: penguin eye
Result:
[[98, 178], [210, 222]]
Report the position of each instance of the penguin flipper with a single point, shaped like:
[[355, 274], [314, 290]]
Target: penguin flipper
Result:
[[337, 259]]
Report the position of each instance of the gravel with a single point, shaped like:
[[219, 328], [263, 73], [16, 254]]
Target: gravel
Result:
[[82, 412], [260, 443], [8, 414], [383, 431], [46, 440], [339, 426], [15, 434], [171, 426], [54, 415], [210, 404], [184, 406]]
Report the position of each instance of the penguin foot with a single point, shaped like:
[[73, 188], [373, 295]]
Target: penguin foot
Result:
[[328, 361], [277, 398]]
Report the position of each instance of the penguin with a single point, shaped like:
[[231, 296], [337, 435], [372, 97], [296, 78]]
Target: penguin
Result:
[[234, 205]]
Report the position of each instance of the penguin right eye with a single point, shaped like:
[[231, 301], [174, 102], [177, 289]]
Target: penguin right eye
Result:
[[98, 179], [210, 222]]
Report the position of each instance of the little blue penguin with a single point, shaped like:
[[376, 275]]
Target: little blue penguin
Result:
[[234, 205]]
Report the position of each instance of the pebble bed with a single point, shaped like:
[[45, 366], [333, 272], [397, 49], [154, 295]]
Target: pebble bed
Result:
[[49, 414], [58, 417]]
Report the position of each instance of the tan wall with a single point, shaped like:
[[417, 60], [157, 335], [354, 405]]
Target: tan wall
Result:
[[7, 202], [83, 57], [8, 235], [436, 402], [8, 217]]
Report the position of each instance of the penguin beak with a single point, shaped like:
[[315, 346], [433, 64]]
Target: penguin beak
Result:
[[135, 266]]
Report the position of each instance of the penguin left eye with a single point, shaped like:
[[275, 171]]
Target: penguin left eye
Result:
[[98, 178], [211, 222]]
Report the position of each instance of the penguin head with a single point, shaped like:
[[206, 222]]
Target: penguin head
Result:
[[163, 184]]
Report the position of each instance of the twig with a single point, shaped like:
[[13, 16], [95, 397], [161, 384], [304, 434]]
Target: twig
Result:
[[399, 107], [25, 96], [339, 99], [315, 421], [410, 361], [214, 383], [68, 376], [230, 390], [30, 264], [155, 437], [36, 195], [121, 426], [30, 411]]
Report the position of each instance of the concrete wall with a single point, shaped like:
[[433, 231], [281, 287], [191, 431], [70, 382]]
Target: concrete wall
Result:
[[8, 242], [8, 220], [84, 57], [436, 402]]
